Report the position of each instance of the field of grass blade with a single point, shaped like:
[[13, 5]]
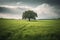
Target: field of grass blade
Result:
[[33, 30]]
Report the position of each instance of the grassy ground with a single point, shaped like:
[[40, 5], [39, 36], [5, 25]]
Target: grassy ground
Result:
[[33, 30]]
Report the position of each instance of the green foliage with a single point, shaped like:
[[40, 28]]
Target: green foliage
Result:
[[33, 30], [29, 15]]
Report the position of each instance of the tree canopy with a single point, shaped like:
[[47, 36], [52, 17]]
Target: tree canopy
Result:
[[29, 15]]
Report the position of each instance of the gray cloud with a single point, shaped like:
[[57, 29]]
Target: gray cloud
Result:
[[44, 11], [5, 10], [33, 3], [28, 0], [56, 2]]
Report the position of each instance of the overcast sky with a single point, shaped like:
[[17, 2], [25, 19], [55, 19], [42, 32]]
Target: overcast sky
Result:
[[46, 9]]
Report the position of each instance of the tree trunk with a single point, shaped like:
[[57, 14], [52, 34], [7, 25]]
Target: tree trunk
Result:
[[29, 19]]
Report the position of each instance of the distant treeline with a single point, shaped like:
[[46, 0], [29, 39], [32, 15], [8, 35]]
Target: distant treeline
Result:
[[37, 19], [6, 18]]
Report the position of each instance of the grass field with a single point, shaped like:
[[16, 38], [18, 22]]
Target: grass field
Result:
[[33, 30]]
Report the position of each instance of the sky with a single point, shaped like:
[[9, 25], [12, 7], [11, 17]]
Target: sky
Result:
[[45, 9]]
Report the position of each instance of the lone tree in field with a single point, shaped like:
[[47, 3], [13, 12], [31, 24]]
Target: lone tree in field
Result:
[[29, 15]]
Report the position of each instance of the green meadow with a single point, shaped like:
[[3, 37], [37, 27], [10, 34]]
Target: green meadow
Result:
[[29, 30]]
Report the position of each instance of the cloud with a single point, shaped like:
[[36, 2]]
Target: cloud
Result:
[[5, 10], [52, 2], [44, 11], [18, 6], [19, 3], [8, 6], [14, 12], [13, 9], [10, 16]]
